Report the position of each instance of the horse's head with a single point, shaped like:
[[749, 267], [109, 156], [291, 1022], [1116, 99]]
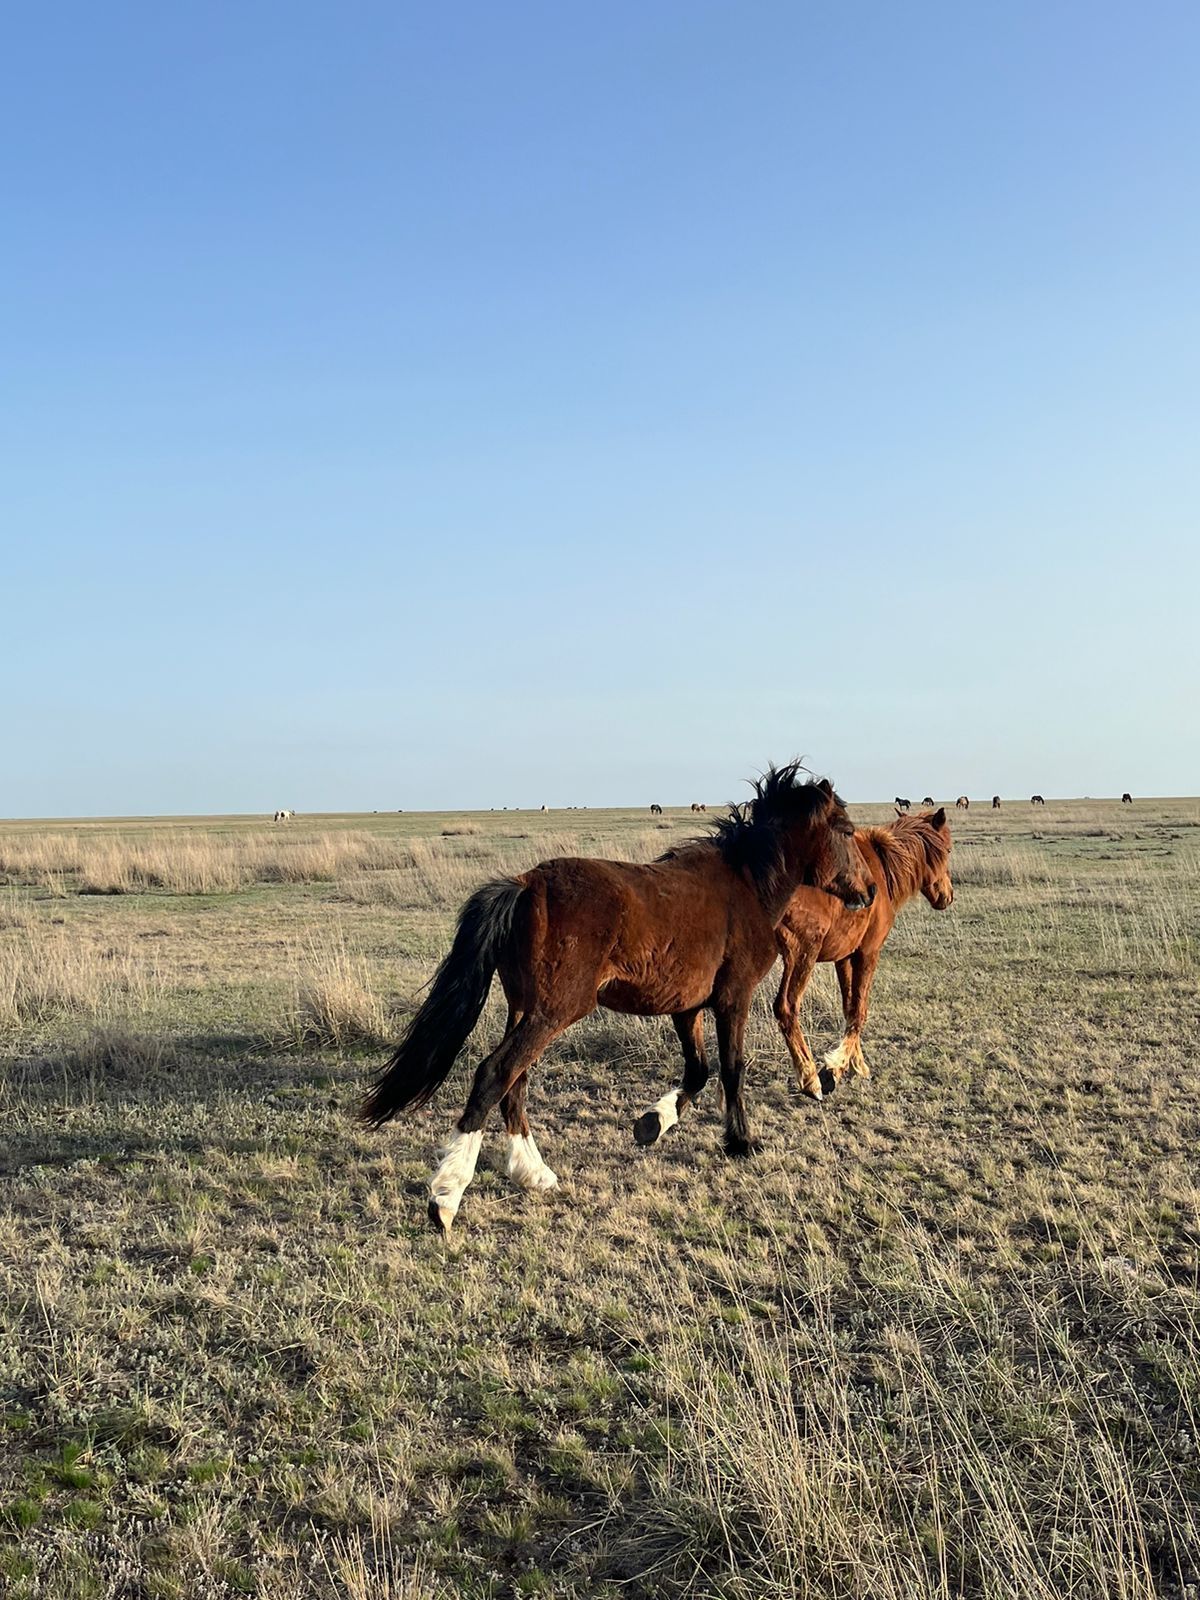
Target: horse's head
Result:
[[936, 886], [794, 832], [837, 865]]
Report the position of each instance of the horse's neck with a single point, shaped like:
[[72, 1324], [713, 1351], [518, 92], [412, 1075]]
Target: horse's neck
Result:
[[906, 889], [793, 876]]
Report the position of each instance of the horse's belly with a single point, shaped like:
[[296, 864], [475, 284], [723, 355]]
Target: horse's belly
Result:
[[652, 998], [840, 943]]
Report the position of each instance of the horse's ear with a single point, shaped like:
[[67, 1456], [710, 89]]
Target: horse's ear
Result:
[[826, 787], [938, 819]]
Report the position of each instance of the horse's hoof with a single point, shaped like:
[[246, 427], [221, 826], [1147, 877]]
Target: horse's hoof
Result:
[[829, 1081], [441, 1217], [742, 1149], [647, 1128], [812, 1087]]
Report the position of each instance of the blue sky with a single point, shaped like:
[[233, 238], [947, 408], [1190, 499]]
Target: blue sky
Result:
[[497, 405]]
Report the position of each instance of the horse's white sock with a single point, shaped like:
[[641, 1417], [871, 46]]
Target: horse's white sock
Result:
[[835, 1060], [668, 1111], [525, 1165], [455, 1172]]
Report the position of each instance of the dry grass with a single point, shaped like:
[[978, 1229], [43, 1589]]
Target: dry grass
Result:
[[46, 975], [956, 1444], [942, 1339], [188, 863], [337, 1005]]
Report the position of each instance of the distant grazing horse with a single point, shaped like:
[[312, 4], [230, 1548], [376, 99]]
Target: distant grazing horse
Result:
[[995, 802], [902, 805], [910, 857], [928, 800], [656, 811], [690, 932], [696, 806], [1036, 800], [284, 816], [1127, 798], [963, 803]]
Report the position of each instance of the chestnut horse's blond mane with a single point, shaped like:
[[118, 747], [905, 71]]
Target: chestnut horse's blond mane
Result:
[[909, 850]]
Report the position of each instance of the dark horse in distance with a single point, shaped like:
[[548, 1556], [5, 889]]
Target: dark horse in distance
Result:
[[910, 857], [690, 932]]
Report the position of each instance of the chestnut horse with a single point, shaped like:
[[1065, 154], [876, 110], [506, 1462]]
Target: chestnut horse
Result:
[[690, 932], [910, 857]]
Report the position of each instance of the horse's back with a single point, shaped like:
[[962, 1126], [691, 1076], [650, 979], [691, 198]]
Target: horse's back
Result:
[[658, 933]]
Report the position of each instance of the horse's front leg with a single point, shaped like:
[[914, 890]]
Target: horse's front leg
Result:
[[731, 1031], [855, 973], [652, 1124], [798, 963]]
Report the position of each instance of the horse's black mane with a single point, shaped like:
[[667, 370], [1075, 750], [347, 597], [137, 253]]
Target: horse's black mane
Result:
[[749, 837]]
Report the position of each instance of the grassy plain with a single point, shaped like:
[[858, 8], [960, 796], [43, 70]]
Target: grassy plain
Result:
[[941, 1339]]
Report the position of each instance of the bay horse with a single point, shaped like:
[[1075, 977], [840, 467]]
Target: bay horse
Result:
[[929, 801], [902, 805], [690, 932], [656, 811], [1127, 798], [995, 802], [1036, 800], [963, 803], [910, 857]]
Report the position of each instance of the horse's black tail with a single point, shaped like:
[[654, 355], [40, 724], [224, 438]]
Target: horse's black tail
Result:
[[423, 1058]]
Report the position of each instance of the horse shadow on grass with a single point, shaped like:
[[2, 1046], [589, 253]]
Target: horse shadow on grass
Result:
[[90, 1100]]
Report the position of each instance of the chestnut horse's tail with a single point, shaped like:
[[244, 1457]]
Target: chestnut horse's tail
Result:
[[423, 1058]]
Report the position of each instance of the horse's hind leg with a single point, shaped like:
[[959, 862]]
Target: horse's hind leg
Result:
[[855, 976], [525, 1165], [652, 1124], [798, 964], [494, 1077]]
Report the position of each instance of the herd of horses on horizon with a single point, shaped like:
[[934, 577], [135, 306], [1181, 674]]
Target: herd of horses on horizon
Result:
[[963, 803], [784, 875]]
